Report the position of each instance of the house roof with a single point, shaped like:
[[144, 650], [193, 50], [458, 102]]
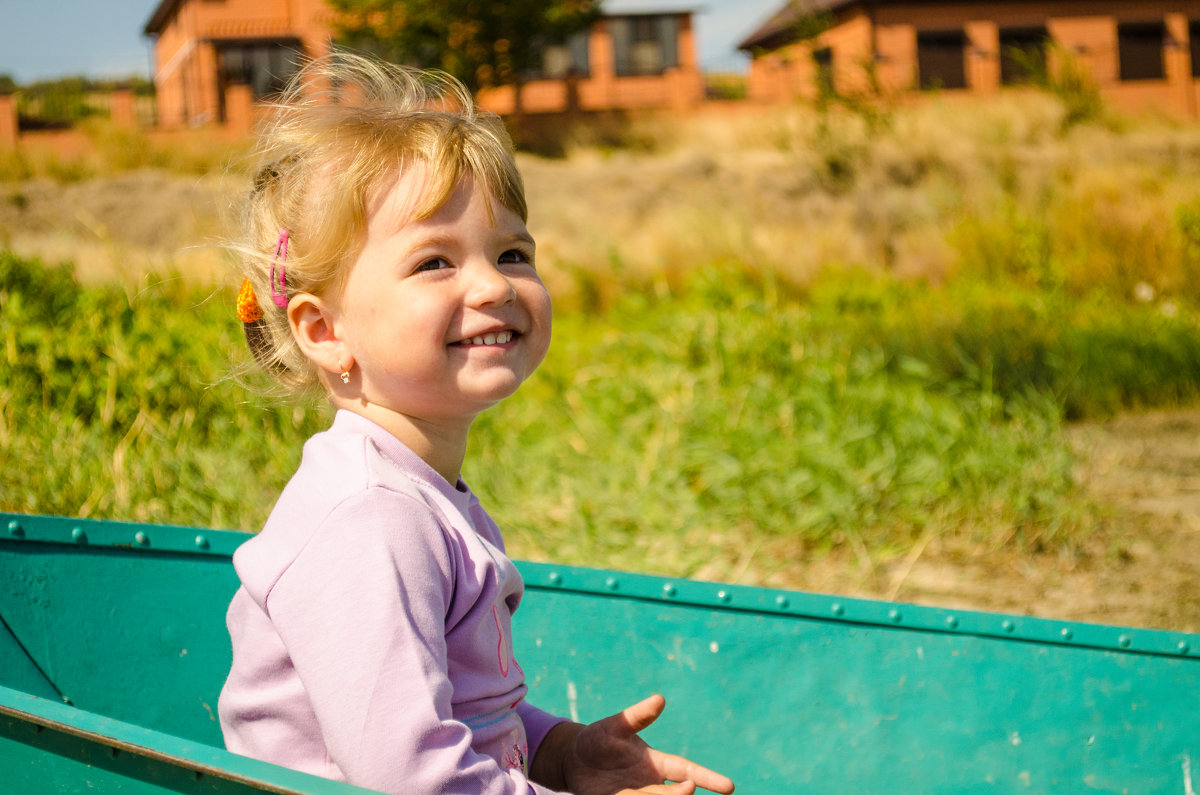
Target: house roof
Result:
[[166, 9], [616, 8], [778, 29], [158, 20]]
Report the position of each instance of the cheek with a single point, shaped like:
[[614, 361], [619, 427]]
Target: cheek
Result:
[[543, 315], [538, 300]]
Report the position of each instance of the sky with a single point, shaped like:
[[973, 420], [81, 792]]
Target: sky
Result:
[[44, 39]]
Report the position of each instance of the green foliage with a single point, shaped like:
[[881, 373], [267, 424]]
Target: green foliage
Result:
[[481, 43], [120, 405], [728, 414], [1056, 70], [1091, 355], [674, 430]]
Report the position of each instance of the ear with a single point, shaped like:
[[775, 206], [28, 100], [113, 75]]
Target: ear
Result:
[[315, 326]]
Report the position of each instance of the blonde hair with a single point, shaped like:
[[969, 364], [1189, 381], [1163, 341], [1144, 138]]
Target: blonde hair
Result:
[[344, 129]]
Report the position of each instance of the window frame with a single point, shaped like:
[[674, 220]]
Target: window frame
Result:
[[1027, 38], [275, 83], [626, 31], [947, 41], [1134, 43]]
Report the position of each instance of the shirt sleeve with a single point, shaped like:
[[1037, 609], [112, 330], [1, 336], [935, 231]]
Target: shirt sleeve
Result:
[[538, 724], [363, 620]]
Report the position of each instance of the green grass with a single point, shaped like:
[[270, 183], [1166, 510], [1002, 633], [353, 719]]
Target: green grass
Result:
[[673, 431]]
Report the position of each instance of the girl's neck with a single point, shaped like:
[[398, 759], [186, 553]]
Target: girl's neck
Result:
[[441, 445]]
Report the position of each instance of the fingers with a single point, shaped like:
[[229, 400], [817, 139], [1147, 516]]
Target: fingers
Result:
[[683, 788], [676, 768], [634, 719]]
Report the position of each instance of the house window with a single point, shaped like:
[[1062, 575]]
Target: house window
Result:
[[941, 59], [823, 60], [264, 66], [644, 44], [569, 58], [1140, 49], [1022, 54]]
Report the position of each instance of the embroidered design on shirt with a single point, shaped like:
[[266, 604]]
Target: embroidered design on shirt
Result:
[[516, 757]]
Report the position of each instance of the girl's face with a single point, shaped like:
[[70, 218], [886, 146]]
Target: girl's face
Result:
[[443, 316]]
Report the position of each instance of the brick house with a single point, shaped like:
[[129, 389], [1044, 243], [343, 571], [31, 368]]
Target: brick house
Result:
[[214, 58], [1141, 53]]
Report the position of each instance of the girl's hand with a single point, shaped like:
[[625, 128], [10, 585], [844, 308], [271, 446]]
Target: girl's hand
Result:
[[684, 788], [609, 757]]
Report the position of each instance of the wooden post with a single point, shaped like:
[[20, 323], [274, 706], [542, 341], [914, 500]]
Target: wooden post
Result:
[[120, 107], [983, 56], [9, 130], [239, 109]]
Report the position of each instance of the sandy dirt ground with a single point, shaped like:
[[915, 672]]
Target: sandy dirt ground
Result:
[[1139, 567]]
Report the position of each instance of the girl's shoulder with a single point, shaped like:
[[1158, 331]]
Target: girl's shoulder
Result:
[[347, 502]]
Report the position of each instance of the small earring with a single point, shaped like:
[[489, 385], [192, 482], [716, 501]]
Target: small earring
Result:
[[345, 376]]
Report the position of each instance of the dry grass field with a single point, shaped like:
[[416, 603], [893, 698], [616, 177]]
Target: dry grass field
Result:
[[913, 192]]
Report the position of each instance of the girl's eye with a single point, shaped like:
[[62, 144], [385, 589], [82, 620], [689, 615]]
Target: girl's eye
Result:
[[514, 257], [433, 264]]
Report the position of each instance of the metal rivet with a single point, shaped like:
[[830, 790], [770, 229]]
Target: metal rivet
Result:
[[1008, 626], [723, 596], [951, 622], [201, 542], [555, 578], [837, 609], [782, 602], [1124, 641], [669, 589], [15, 529], [612, 584], [1067, 634], [895, 616], [78, 535], [1183, 647], [141, 538]]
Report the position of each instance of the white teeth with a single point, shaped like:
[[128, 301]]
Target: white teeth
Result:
[[493, 338]]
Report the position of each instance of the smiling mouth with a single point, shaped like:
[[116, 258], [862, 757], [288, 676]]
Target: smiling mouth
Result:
[[491, 338]]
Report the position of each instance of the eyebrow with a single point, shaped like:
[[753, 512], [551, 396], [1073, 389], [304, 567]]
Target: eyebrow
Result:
[[437, 240]]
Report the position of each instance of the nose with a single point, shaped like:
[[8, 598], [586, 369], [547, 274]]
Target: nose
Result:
[[490, 287]]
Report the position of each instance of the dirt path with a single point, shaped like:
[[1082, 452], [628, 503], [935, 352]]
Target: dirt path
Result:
[[1140, 566]]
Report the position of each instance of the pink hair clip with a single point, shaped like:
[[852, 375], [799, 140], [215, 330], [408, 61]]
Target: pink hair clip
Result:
[[280, 297]]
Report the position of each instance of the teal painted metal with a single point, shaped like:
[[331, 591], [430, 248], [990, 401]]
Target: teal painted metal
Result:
[[46, 747], [784, 691]]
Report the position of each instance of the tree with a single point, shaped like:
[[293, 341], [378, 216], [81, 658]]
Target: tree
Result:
[[484, 43]]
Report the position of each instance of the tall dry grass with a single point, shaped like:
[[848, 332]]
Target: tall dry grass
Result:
[[923, 190], [920, 191]]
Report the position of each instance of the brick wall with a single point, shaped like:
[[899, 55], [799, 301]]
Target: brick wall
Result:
[[190, 92], [1087, 31]]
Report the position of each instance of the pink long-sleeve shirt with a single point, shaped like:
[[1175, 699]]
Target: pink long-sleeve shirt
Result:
[[372, 638]]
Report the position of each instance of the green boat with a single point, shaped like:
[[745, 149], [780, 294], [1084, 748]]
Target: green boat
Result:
[[113, 650]]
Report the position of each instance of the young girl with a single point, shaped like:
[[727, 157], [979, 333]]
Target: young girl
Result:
[[372, 635]]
